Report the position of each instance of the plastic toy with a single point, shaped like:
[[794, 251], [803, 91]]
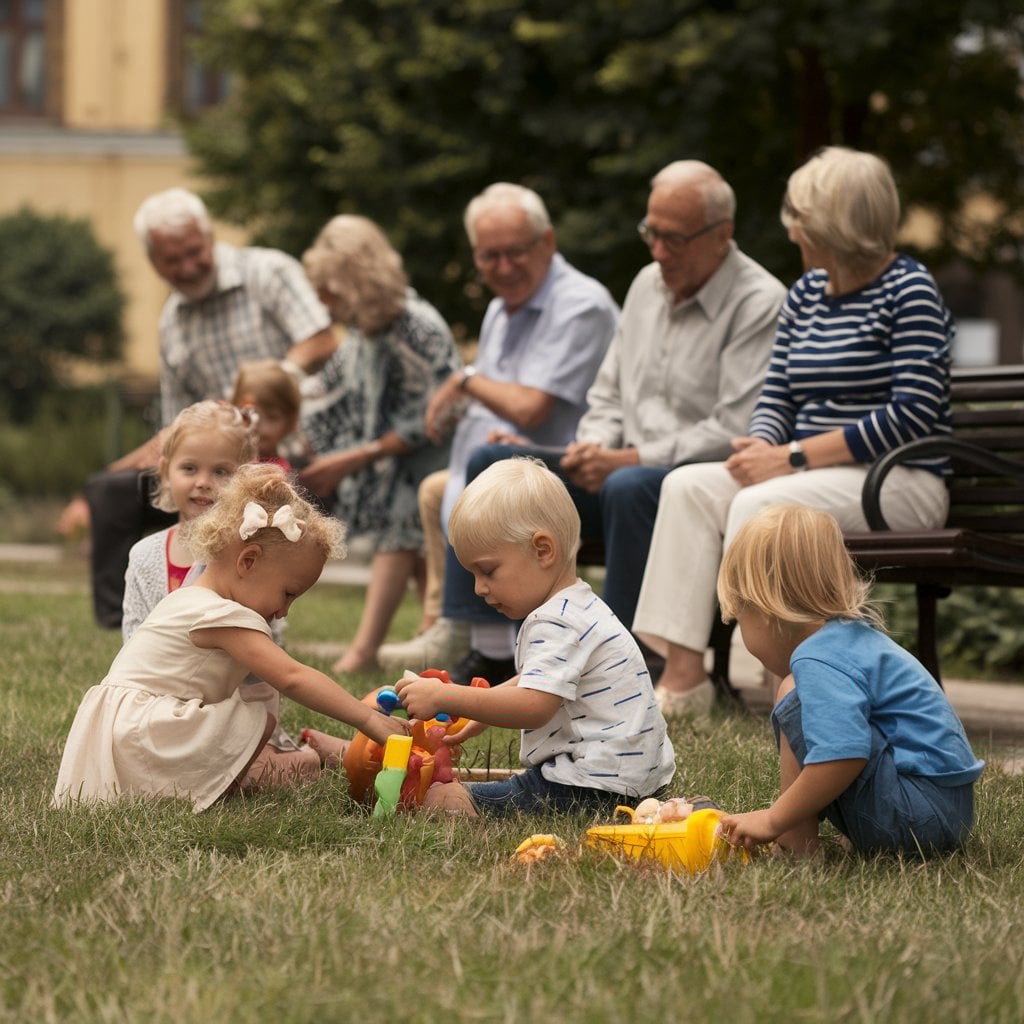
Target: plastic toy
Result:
[[691, 845], [429, 759], [538, 847], [388, 783]]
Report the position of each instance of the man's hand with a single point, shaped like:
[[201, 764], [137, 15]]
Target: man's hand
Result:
[[443, 407], [507, 437], [755, 460], [588, 465]]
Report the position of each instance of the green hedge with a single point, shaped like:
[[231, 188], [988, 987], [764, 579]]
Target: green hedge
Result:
[[72, 434], [979, 628]]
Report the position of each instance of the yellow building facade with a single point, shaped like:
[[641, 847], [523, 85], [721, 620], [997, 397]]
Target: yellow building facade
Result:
[[90, 91]]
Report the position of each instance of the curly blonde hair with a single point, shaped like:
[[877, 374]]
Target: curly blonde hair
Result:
[[267, 485], [204, 417], [357, 273], [790, 563]]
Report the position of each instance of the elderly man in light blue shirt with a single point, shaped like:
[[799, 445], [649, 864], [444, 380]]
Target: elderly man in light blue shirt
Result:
[[543, 338]]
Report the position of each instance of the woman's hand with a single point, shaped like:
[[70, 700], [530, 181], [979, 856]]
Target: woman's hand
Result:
[[324, 473], [754, 460]]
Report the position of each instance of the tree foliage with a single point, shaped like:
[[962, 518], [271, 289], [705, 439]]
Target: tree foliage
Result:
[[59, 297], [403, 109]]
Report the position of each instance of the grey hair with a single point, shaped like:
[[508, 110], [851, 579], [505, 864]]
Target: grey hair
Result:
[[845, 200], [716, 193], [503, 193], [172, 210]]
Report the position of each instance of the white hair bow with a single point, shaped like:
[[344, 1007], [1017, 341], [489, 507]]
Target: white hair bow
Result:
[[255, 517]]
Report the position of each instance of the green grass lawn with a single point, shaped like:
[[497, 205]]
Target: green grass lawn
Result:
[[297, 906]]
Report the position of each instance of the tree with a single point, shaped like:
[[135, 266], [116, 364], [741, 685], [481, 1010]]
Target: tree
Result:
[[403, 109], [59, 297]]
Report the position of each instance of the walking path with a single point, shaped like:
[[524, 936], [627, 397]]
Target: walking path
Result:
[[989, 711]]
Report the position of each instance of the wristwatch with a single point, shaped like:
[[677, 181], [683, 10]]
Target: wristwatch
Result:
[[797, 456], [468, 373]]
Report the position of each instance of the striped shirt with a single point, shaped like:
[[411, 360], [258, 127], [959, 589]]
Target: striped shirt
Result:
[[609, 732], [874, 363]]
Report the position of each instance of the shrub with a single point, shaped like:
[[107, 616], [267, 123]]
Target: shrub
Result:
[[59, 297], [71, 434], [978, 627]]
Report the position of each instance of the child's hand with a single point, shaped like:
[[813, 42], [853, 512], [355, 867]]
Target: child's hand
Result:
[[748, 830], [422, 698], [379, 727], [467, 732]]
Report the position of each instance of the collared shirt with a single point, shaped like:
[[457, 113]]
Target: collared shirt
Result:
[[554, 342], [680, 379], [261, 305]]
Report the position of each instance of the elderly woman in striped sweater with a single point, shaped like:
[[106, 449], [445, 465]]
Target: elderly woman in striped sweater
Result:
[[860, 365]]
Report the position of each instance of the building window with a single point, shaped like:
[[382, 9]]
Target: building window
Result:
[[28, 33], [191, 87]]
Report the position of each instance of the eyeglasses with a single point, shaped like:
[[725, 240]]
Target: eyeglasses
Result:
[[674, 241], [514, 254]]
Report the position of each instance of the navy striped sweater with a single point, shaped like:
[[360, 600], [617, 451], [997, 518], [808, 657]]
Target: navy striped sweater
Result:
[[874, 362]]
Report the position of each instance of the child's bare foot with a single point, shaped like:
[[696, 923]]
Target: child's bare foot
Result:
[[330, 749], [353, 661]]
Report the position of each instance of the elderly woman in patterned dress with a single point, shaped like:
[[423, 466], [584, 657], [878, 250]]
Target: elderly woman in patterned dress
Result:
[[368, 427]]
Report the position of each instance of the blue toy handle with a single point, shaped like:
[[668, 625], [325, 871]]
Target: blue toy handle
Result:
[[388, 700]]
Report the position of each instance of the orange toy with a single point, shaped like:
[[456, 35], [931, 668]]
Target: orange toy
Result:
[[430, 760]]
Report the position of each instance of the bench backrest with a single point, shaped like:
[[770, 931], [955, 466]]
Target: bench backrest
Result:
[[988, 410]]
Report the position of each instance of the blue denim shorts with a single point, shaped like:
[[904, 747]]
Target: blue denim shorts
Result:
[[882, 809], [529, 792]]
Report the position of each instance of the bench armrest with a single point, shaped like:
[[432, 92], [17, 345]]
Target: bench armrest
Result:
[[964, 451]]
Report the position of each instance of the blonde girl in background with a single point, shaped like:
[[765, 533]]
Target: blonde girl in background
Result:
[[201, 450], [169, 720], [273, 393], [866, 737]]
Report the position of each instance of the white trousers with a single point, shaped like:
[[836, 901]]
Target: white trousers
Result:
[[701, 507]]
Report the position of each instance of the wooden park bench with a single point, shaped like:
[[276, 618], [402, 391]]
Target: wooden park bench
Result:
[[982, 542]]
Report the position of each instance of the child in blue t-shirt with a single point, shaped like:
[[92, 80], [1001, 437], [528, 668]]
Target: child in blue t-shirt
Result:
[[593, 735], [867, 738]]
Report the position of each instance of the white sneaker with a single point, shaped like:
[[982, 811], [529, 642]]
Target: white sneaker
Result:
[[441, 645], [695, 704]]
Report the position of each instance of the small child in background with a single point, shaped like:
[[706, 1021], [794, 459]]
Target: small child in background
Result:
[[867, 738], [202, 448], [168, 720], [593, 735], [267, 387]]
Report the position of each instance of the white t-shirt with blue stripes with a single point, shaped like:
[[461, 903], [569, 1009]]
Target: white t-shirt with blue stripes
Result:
[[609, 732]]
